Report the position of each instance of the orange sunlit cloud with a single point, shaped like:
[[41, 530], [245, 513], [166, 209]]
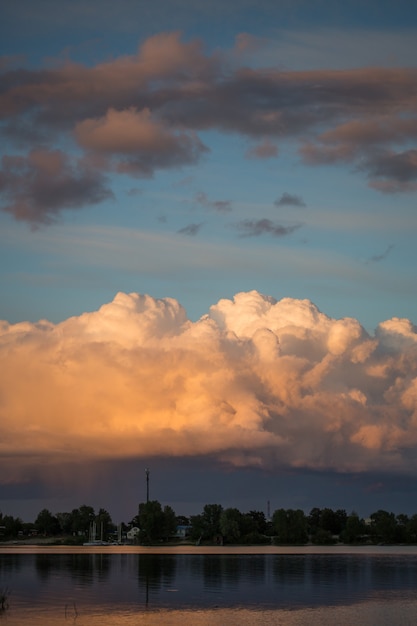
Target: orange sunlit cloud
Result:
[[253, 382]]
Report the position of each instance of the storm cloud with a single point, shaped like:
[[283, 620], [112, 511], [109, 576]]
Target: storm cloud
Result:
[[255, 382]]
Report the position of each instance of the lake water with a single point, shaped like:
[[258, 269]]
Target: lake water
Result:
[[124, 586]]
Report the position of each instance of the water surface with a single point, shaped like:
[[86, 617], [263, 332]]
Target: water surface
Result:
[[291, 586]]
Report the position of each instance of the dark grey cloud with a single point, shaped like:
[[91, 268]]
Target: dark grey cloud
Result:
[[288, 199], [140, 113], [190, 229], [400, 167], [38, 187], [255, 228]]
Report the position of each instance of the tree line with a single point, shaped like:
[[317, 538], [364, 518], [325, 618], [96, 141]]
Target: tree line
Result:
[[216, 524], [286, 527], [75, 523]]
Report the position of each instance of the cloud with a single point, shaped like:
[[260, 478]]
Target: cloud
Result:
[[397, 169], [245, 42], [288, 199], [38, 187], [255, 228], [191, 229], [332, 47], [8, 62], [220, 206], [255, 381], [264, 150], [132, 142], [138, 113], [61, 96], [364, 143], [376, 258]]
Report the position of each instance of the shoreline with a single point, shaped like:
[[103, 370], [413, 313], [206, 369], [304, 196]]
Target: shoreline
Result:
[[210, 550]]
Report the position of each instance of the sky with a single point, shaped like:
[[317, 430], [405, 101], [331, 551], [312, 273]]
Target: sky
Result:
[[207, 255]]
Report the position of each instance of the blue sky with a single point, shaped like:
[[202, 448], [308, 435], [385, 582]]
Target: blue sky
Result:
[[357, 242], [194, 151]]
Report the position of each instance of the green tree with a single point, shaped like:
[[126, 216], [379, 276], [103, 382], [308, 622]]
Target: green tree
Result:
[[383, 527], [324, 523], [247, 525], [206, 525], [259, 520], [323, 538], [104, 523], [211, 520], [354, 530], [151, 521], [411, 531], [289, 526], [254, 528], [230, 524], [134, 521], [280, 526], [313, 520], [341, 518], [82, 518], [65, 522], [197, 527], [333, 521], [169, 522], [46, 523], [10, 526]]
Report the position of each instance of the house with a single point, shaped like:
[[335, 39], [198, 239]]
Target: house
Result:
[[183, 531], [132, 533]]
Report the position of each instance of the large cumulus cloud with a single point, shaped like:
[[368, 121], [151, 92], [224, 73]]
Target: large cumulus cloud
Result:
[[253, 382], [139, 113]]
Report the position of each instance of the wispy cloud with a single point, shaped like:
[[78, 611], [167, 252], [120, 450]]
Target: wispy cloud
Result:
[[264, 150], [255, 228], [376, 258], [288, 199], [331, 47], [190, 229], [135, 191], [221, 206]]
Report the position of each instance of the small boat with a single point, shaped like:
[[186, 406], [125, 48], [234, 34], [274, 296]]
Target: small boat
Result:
[[92, 541]]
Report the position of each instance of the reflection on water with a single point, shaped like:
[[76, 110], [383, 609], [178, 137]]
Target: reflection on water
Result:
[[125, 588]]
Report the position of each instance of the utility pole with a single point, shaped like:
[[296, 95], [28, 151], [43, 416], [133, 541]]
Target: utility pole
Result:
[[147, 485]]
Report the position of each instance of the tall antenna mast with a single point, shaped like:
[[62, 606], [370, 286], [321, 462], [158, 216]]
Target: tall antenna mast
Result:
[[147, 484]]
